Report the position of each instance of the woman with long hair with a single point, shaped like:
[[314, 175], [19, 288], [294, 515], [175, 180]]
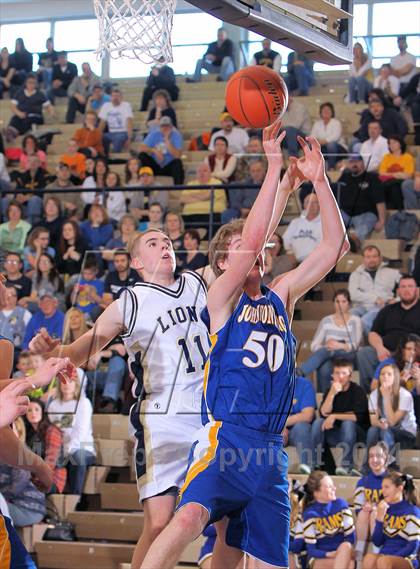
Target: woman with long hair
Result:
[[337, 335], [96, 180], [329, 132], [161, 107], [71, 249], [38, 242], [361, 75], [396, 166], [46, 440], [391, 410], [192, 259], [6, 71], [74, 325], [328, 526], [97, 229], [396, 531], [30, 147], [407, 360], [221, 163], [45, 280], [89, 137], [115, 201]]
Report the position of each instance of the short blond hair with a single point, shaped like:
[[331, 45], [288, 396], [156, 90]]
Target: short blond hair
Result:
[[136, 238], [218, 249]]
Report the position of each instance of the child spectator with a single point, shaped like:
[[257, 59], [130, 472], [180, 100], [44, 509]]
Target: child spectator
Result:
[[115, 201], [25, 502], [277, 261], [46, 440], [338, 335], [89, 137], [155, 215], [71, 411], [23, 366], [13, 232], [192, 259], [74, 159], [328, 526], [30, 147], [391, 410], [96, 230], [87, 293], [407, 360], [37, 243], [13, 318], [97, 99], [71, 249], [13, 271], [396, 530]]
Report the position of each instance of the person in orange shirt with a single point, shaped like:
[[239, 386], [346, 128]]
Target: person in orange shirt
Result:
[[396, 166], [74, 159], [89, 137]]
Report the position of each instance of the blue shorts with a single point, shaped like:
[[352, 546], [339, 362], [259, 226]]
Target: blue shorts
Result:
[[207, 549], [242, 473], [13, 554]]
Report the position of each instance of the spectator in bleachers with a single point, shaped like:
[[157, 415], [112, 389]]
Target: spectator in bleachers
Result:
[[4, 175], [46, 440], [161, 150], [368, 494], [277, 262], [52, 218], [30, 147], [136, 198], [298, 425], [96, 180], [300, 73], [304, 233], [296, 122], [78, 92], [97, 99], [410, 93], [254, 150], [236, 136], [337, 336], [241, 199], [396, 166], [192, 258], [6, 71], [117, 116], [25, 502], [38, 242], [219, 58], [155, 217], [127, 227], [388, 83], [196, 203], [71, 411], [407, 359], [14, 231], [74, 159], [13, 266], [267, 56], [344, 418], [161, 77], [48, 316], [361, 199], [33, 178], [371, 286], [327, 548], [297, 546], [161, 108], [115, 201], [13, 318], [221, 163], [23, 365], [121, 277], [391, 410], [46, 62], [63, 74], [174, 229], [97, 229], [27, 105], [22, 61], [71, 249], [410, 188], [402, 317], [45, 280], [89, 137], [70, 202], [361, 75], [148, 182], [395, 534], [329, 132], [374, 148], [391, 121], [88, 290], [75, 325], [404, 64]]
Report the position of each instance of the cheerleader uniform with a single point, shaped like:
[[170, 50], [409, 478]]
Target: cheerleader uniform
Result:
[[368, 490]]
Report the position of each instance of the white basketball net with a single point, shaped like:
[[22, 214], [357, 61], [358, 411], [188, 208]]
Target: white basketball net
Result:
[[138, 29]]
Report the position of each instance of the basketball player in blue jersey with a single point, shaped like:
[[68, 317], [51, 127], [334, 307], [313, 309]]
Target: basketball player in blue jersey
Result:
[[238, 468]]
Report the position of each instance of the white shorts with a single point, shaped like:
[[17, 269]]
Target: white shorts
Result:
[[162, 450]]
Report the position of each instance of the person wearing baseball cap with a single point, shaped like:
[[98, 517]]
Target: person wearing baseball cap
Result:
[[161, 151], [148, 180], [236, 136]]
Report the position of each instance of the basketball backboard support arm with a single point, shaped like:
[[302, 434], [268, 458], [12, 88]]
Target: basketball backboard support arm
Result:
[[318, 28]]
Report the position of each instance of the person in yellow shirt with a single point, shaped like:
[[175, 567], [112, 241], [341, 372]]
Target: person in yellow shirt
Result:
[[396, 166], [75, 160], [196, 203]]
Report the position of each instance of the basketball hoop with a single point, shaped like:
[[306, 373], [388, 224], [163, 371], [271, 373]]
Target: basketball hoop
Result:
[[137, 29]]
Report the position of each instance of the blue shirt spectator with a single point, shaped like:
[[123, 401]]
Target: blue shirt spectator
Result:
[[156, 140], [47, 317]]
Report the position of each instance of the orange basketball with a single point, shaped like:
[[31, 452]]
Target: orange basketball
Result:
[[256, 96]]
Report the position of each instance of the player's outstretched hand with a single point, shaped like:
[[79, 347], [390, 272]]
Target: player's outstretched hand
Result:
[[13, 402], [42, 343], [312, 164], [272, 139], [61, 368]]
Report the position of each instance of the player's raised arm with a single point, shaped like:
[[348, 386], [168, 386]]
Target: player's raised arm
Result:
[[243, 252], [334, 244]]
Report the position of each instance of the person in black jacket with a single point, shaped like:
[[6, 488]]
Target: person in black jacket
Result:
[[391, 121], [46, 61], [161, 77], [219, 58], [411, 94], [21, 61], [63, 74]]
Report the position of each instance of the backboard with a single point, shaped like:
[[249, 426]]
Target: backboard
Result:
[[322, 29]]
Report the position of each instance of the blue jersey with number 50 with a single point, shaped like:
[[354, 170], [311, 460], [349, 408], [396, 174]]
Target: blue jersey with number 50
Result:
[[249, 377]]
